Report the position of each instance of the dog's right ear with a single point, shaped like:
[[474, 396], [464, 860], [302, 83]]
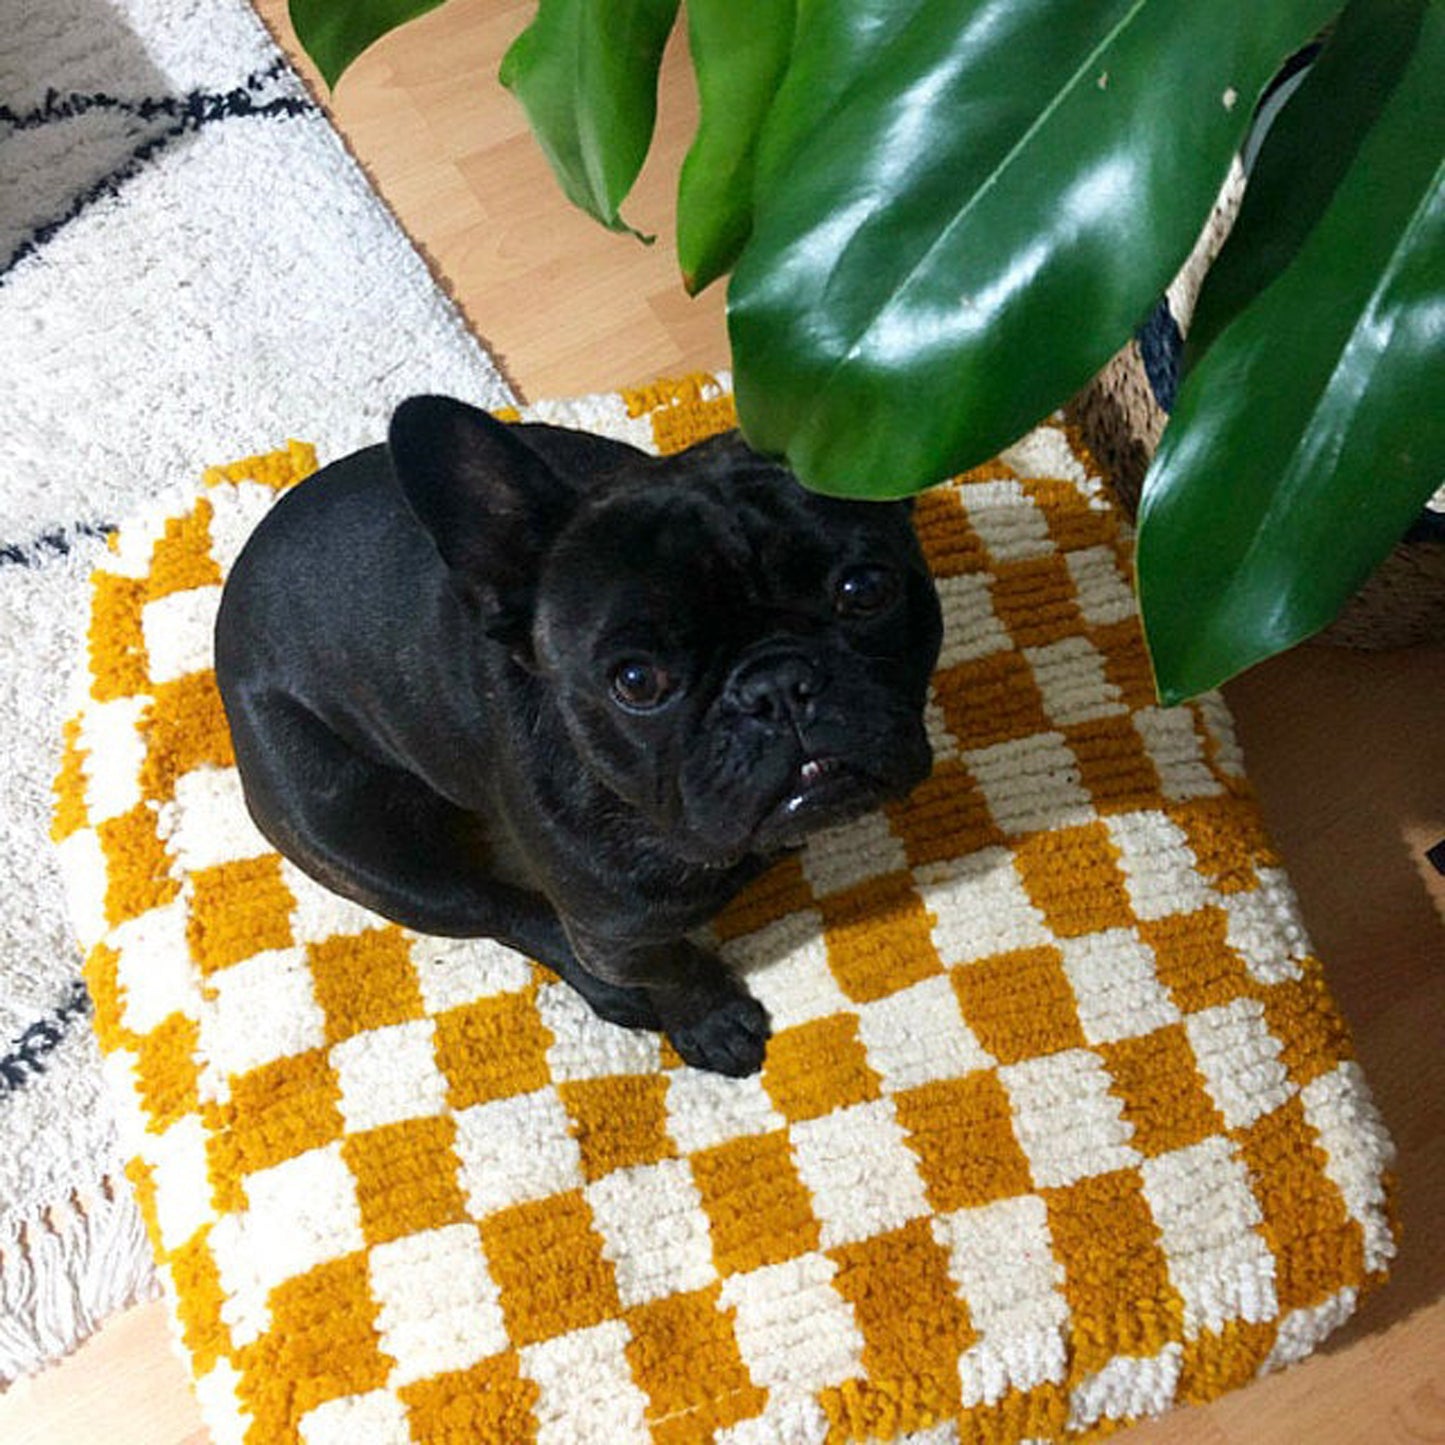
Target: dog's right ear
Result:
[[490, 503]]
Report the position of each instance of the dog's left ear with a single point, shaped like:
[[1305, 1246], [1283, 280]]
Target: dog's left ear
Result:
[[490, 503]]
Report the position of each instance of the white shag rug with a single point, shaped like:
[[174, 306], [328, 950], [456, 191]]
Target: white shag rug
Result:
[[191, 268]]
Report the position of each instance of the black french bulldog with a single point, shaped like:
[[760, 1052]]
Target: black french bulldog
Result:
[[533, 684]]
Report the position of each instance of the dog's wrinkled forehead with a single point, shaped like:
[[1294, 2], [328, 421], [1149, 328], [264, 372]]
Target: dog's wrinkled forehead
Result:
[[714, 527], [702, 552]]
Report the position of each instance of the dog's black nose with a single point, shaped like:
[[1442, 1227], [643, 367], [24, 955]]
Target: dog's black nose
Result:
[[776, 687]]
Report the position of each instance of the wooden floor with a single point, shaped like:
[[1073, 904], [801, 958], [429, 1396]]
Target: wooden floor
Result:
[[1346, 749]]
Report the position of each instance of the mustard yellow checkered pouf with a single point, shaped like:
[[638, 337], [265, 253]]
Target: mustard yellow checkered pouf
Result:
[[1058, 1127]]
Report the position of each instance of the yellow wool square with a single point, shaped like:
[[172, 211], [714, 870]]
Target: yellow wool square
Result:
[[619, 1121], [758, 1211], [364, 981], [913, 1321], [817, 1067], [237, 910], [406, 1178], [495, 1048], [962, 1131], [685, 1357], [878, 936], [490, 1401], [1164, 1098], [548, 1262], [276, 1112]]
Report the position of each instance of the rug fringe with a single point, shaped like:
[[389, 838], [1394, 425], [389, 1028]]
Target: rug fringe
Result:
[[64, 1270]]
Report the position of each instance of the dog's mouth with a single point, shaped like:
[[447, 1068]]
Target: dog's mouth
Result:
[[822, 790], [815, 777], [785, 794]]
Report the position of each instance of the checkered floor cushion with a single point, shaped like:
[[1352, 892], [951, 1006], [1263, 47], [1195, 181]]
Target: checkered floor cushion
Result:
[[1058, 1127]]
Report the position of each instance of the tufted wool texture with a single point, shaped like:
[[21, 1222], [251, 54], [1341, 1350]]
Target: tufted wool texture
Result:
[[1058, 1127], [189, 259]]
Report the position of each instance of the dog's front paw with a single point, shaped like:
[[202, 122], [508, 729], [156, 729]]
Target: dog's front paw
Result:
[[731, 1039]]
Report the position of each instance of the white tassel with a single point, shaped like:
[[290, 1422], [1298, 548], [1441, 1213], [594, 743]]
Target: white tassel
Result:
[[64, 1270]]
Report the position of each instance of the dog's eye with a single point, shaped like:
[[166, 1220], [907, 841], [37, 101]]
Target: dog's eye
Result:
[[639, 684], [865, 591]]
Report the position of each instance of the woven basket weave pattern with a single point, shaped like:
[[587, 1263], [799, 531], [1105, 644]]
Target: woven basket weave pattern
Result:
[[1058, 1126]]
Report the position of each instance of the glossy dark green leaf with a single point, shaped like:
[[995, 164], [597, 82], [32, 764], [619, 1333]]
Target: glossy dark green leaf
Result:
[[334, 32], [1313, 429], [739, 54], [586, 73], [1307, 153], [963, 209]]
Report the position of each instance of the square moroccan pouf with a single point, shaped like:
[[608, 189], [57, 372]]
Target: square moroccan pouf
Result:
[[1058, 1127]]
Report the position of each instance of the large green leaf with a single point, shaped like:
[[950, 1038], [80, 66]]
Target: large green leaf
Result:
[[1313, 429], [1310, 148], [963, 207], [739, 54], [334, 32], [586, 73]]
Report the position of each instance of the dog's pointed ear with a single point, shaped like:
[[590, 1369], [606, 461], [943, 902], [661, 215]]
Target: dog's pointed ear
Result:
[[489, 501]]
